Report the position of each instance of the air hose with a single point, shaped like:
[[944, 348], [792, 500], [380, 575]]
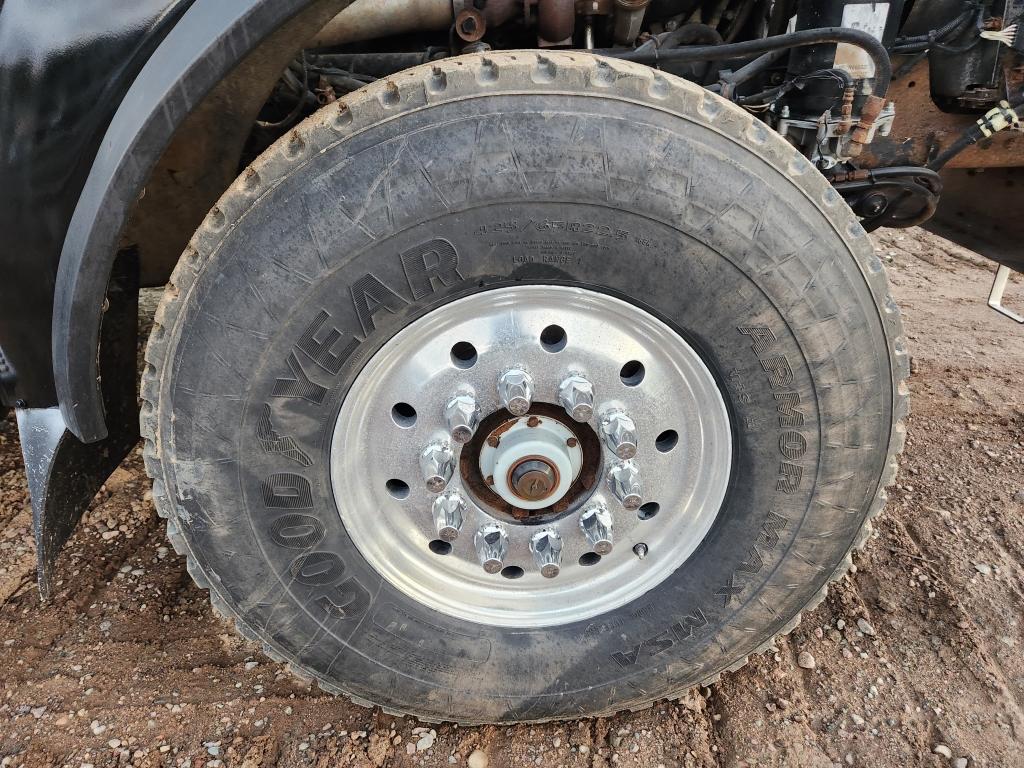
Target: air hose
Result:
[[996, 119], [688, 54]]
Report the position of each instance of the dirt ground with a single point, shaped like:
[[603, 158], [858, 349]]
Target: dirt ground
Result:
[[919, 654]]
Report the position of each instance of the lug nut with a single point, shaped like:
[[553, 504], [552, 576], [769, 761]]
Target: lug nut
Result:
[[596, 522], [624, 480], [448, 515], [619, 432], [437, 463], [576, 394], [546, 547], [462, 414], [515, 388], [491, 544]]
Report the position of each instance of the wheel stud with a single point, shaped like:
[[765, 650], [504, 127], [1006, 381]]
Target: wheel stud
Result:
[[576, 394], [546, 547], [437, 463], [515, 388], [491, 544], [448, 509], [596, 522], [624, 480], [462, 414], [619, 432]]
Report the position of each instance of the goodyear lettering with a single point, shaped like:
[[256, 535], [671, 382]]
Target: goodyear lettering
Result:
[[322, 349]]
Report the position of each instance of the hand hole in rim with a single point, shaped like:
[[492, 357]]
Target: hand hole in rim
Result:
[[590, 558], [512, 572], [632, 373], [553, 338], [403, 414], [397, 488], [440, 547], [648, 510], [463, 355], [666, 441]]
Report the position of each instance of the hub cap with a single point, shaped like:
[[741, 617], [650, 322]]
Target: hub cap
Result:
[[531, 456]]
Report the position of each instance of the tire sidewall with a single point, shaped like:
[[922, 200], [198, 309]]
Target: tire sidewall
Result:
[[787, 330]]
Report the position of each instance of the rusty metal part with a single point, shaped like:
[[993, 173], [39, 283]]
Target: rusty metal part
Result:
[[533, 478], [846, 113], [202, 158], [869, 112], [556, 20], [921, 131], [470, 25], [629, 20], [501, 421]]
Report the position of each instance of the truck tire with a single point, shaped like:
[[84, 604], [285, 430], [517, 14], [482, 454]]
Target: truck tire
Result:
[[395, 387]]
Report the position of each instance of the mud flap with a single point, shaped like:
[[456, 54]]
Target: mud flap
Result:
[[63, 472]]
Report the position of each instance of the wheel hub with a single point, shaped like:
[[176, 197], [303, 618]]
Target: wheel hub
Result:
[[533, 479], [529, 463], [502, 469]]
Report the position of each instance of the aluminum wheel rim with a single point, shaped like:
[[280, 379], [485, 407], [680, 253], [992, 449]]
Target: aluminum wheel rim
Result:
[[374, 445]]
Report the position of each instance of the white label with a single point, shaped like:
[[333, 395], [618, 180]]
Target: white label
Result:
[[867, 17]]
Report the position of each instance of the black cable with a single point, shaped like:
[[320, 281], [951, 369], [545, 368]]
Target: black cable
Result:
[[941, 32], [868, 43], [752, 68], [972, 135], [299, 104], [841, 76]]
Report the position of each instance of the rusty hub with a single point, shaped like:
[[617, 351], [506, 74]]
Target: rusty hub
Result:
[[490, 432]]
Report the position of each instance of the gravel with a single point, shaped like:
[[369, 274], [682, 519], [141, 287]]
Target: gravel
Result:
[[478, 759], [943, 750], [805, 660], [865, 626]]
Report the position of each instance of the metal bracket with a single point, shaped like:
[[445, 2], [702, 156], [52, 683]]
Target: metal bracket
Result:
[[995, 297]]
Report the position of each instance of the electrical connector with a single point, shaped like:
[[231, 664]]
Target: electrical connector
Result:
[[1018, 39]]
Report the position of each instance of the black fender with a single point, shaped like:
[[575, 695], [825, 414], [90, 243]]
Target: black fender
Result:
[[210, 40], [71, 443]]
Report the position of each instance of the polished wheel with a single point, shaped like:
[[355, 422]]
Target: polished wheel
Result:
[[557, 451]]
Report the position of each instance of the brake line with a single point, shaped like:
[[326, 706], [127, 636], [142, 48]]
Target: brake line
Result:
[[696, 53]]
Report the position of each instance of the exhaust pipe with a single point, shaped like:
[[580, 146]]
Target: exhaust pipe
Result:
[[370, 19]]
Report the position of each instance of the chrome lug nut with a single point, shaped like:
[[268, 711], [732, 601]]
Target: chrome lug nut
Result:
[[515, 388], [491, 544], [619, 432], [576, 394], [624, 480], [596, 522], [437, 463], [462, 415], [448, 515], [546, 547]]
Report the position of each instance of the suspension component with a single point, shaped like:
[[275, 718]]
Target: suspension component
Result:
[[515, 388], [624, 480], [448, 515], [619, 432], [437, 464], [576, 394], [491, 544], [462, 414], [596, 522], [546, 547]]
